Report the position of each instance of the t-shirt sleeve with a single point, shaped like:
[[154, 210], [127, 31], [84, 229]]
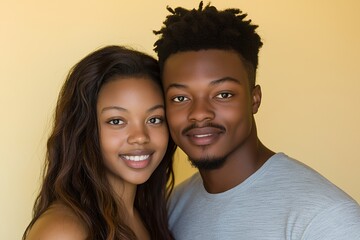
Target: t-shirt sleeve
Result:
[[341, 222]]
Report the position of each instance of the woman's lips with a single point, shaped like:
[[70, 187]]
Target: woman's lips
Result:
[[137, 159]]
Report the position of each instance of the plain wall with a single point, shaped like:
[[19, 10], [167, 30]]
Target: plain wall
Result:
[[308, 69]]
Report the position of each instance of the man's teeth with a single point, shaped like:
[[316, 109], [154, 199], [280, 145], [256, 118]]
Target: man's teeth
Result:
[[136, 158], [202, 135]]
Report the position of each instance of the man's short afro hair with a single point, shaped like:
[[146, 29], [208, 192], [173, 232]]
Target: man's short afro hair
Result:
[[208, 28]]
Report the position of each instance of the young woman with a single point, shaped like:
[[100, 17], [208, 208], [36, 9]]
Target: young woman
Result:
[[109, 156]]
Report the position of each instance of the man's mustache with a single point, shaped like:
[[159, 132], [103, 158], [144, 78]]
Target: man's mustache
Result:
[[209, 124]]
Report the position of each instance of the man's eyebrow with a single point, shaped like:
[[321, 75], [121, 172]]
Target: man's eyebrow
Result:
[[225, 79], [176, 85], [214, 82]]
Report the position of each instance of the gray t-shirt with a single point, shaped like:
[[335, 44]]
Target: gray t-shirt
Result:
[[284, 199]]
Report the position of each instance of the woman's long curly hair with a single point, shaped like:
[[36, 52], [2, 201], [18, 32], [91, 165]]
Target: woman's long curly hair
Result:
[[74, 173]]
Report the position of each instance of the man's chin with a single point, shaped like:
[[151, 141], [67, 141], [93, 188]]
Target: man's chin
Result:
[[208, 163]]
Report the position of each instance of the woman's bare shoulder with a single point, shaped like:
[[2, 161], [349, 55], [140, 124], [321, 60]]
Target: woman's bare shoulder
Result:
[[58, 222]]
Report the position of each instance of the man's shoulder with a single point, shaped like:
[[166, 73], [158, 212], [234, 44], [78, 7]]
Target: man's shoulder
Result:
[[191, 183], [303, 182], [186, 189]]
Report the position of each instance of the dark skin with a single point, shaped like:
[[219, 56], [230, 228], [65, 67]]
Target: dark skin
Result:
[[234, 172], [210, 106]]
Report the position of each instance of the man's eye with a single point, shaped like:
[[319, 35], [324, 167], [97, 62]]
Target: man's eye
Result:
[[115, 122], [180, 99], [156, 120], [224, 95]]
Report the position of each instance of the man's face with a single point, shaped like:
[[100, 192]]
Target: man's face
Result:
[[209, 104]]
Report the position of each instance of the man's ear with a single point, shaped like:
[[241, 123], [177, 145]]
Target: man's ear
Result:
[[256, 98]]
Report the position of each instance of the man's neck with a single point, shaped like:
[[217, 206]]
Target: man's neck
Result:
[[237, 168]]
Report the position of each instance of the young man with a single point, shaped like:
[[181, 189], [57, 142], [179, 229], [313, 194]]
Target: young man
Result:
[[243, 190]]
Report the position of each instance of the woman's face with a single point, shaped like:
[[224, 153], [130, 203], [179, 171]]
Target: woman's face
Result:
[[132, 128]]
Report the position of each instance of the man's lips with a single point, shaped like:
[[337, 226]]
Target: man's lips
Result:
[[203, 136]]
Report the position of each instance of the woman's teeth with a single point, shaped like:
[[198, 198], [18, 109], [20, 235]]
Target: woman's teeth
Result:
[[136, 158]]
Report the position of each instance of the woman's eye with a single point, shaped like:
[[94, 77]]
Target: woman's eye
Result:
[[115, 122], [180, 99], [155, 120], [224, 95]]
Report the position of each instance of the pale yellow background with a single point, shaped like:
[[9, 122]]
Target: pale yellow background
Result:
[[309, 71]]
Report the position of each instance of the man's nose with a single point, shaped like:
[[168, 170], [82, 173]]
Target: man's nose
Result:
[[201, 110]]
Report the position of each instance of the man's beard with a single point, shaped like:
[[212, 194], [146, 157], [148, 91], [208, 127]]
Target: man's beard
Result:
[[208, 163]]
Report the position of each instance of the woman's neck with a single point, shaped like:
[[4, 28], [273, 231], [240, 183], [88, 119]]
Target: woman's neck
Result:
[[126, 193]]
